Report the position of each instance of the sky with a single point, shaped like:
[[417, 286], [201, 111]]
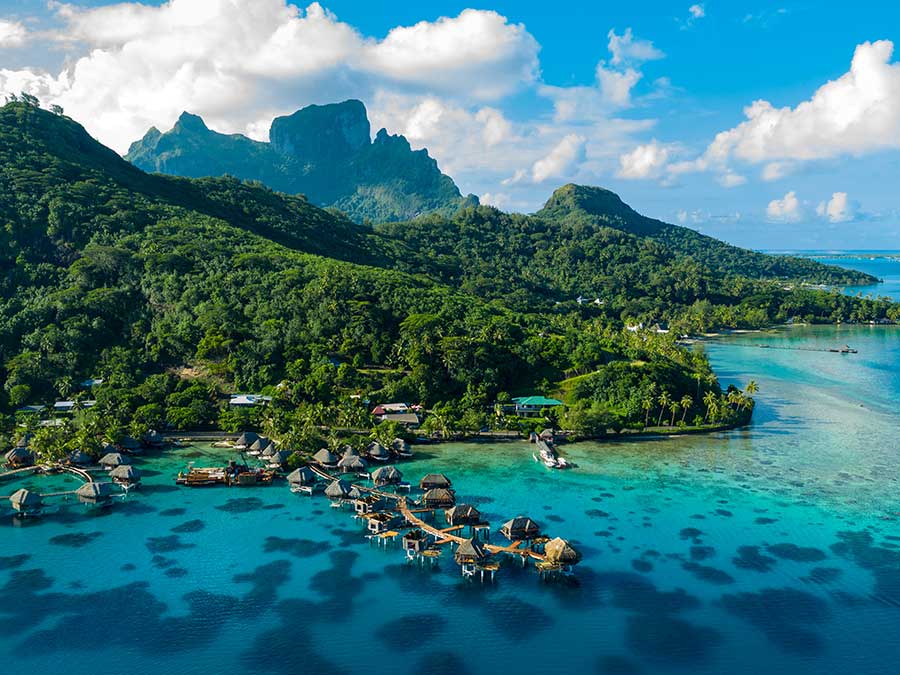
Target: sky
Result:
[[772, 125]]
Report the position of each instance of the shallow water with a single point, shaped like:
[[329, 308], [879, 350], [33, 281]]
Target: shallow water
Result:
[[774, 548]]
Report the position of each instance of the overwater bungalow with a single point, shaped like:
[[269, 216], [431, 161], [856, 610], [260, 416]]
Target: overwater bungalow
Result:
[[95, 494], [113, 459], [79, 458], [26, 503], [257, 446], [386, 475], [416, 540], [126, 475], [19, 458], [520, 528], [378, 452], [463, 514], [438, 498], [367, 504], [547, 435], [245, 440], [435, 480], [302, 477], [279, 460], [339, 490], [351, 464], [269, 450], [401, 448], [326, 458], [349, 451], [561, 552]]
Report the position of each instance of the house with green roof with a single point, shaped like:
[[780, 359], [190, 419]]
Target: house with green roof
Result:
[[534, 406]]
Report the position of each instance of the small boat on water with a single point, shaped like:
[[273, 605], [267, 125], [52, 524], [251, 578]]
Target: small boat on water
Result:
[[233, 475], [846, 349], [548, 456]]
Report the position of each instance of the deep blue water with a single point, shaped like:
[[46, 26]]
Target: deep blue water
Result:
[[772, 549], [884, 265]]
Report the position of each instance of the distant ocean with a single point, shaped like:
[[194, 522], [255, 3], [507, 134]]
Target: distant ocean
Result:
[[882, 264]]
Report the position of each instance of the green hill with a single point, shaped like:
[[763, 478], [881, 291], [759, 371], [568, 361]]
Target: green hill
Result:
[[323, 152]]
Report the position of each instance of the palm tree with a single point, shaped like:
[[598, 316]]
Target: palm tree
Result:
[[752, 388], [709, 400], [647, 405], [674, 406], [698, 377], [686, 403], [664, 400]]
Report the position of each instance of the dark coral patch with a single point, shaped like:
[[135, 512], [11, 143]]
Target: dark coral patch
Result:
[[709, 574], [75, 539], [189, 526], [299, 548], [166, 544], [750, 558], [411, 632], [796, 553]]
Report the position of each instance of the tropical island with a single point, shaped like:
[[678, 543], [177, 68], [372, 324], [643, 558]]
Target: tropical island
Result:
[[136, 301]]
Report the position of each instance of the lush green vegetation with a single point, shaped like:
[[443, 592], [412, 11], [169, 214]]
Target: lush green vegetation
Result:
[[178, 291]]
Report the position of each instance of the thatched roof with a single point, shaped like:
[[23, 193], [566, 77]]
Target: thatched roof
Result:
[[339, 489], [355, 492], [547, 434], [434, 480], [326, 457], [463, 513], [302, 476], [24, 440], [114, 459], [260, 443], [126, 472], [247, 438], [399, 445], [20, 455], [281, 456], [470, 550], [349, 451], [94, 491], [377, 451], [439, 497], [520, 527], [23, 500], [269, 450], [560, 551], [387, 475], [352, 463]]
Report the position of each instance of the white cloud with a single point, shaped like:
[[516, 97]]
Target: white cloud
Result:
[[616, 85], [776, 170], [857, 113], [838, 209], [12, 34], [562, 159], [236, 62], [645, 161], [786, 210], [729, 179], [697, 11], [627, 49]]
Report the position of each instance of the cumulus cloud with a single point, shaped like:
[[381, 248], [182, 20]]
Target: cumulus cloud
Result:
[[697, 11], [12, 34], [729, 179], [566, 155], [785, 210], [857, 113], [838, 209], [645, 161], [627, 49], [238, 62]]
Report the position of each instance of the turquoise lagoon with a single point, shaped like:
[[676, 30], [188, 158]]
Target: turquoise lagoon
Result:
[[771, 549]]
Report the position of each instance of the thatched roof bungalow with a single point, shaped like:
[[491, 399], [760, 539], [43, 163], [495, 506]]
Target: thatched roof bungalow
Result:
[[125, 474], [339, 489], [561, 552], [520, 528], [386, 475], [113, 459], [351, 464], [378, 452], [349, 451], [326, 458], [435, 480], [302, 476], [471, 552], [439, 498], [463, 514], [95, 494], [25, 502], [260, 444], [269, 450], [401, 448], [19, 458], [246, 439]]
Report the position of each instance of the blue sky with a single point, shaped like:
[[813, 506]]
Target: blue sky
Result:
[[514, 99]]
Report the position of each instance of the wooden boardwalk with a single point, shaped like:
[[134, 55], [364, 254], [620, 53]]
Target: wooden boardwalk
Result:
[[50, 468], [441, 536]]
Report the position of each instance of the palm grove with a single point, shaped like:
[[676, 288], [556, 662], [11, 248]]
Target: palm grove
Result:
[[176, 291]]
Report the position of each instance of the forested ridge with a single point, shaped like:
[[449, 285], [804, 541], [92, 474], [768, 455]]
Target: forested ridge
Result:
[[176, 291]]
